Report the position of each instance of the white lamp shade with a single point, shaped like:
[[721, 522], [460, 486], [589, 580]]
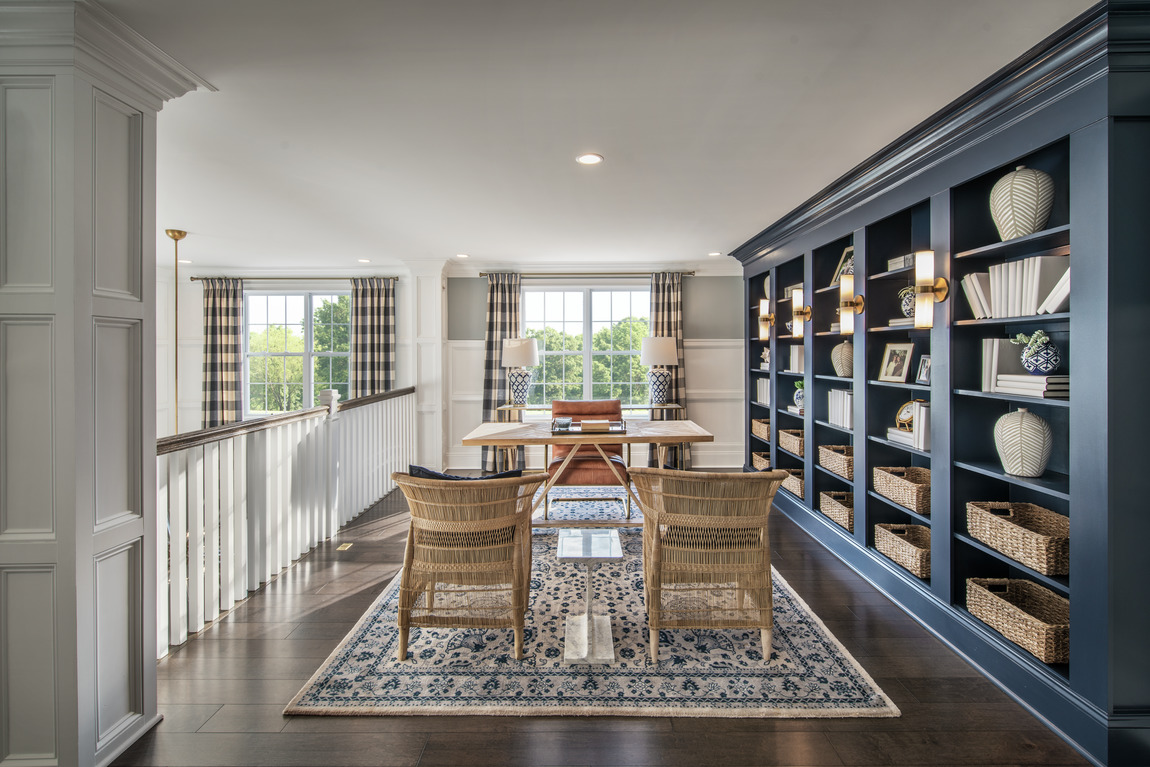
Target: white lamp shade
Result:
[[659, 350], [520, 353], [924, 276]]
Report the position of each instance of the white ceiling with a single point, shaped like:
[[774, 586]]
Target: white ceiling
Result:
[[416, 130]]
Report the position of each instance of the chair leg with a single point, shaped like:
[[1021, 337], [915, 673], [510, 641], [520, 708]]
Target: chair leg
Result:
[[401, 651], [518, 643], [431, 596], [767, 637], [653, 639]]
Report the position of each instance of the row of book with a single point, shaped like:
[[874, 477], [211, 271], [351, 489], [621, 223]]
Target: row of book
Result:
[[1003, 373], [1023, 288], [763, 393], [796, 359], [918, 436], [841, 408]]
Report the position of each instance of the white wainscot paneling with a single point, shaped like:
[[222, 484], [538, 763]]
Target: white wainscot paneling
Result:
[[28, 677], [715, 399], [118, 453], [119, 632], [117, 174], [26, 183], [27, 429], [465, 361]]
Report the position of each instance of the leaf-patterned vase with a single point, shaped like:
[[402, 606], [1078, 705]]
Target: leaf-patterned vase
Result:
[[1023, 441], [843, 359], [1020, 202]]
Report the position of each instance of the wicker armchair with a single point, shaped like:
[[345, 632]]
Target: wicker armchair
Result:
[[468, 557], [706, 550]]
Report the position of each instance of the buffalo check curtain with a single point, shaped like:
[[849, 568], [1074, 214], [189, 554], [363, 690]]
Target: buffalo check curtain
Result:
[[372, 335], [502, 322], [223, 352], [667, 320]]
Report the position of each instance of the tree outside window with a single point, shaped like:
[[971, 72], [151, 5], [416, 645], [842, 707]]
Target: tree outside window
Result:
[[297, 344]]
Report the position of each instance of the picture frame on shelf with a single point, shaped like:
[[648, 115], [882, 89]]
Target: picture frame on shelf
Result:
[[923, 375], [896, 362], [846, 264]]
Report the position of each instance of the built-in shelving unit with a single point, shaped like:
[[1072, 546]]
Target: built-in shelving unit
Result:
[[937, 200]]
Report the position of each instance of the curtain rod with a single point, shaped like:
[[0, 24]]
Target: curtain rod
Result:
[[581, 275], [282, 279]]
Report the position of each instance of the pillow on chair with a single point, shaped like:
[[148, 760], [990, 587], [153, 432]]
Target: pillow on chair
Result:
[[421, 473]]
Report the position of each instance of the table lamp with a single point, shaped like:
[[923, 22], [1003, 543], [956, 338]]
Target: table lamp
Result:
[[659, 350], [519, 356]]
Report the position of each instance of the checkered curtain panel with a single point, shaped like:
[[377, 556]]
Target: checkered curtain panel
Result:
[[223, 352], [502, 322], [372, 335], [667, 320]]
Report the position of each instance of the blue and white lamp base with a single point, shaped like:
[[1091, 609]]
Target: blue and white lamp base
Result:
[[660, 383], [519, 381]]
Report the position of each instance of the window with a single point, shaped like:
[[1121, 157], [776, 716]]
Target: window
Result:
[[297, 344], [589, 342]]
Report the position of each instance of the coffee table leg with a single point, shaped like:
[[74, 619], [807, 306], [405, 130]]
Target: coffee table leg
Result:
[[588, 638]]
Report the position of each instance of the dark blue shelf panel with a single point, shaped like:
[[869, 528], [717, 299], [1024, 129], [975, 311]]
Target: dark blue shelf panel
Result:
[[1052, 483], [912, 514], [1057, 583], [1012, 397]]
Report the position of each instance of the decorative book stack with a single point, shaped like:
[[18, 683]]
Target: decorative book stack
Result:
[[901, 322], [918, 436], [796, 359], [764, 391], [1023, 288], [1044, 387], [840, 408]]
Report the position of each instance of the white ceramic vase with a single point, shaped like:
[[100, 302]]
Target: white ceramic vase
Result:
[[1023, 441], [843, 359], [1020, 202]]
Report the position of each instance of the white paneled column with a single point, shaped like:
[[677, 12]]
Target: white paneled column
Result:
[[79, 93], [422, 302]]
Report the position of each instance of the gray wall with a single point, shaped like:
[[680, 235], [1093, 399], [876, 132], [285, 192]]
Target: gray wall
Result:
[[712, 307]]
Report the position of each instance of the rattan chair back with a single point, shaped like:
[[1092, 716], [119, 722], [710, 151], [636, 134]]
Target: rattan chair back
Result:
[[468, 557], [706, 549]]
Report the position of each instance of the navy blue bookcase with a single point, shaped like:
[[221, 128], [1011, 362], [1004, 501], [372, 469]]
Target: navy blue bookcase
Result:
[[1077, 107]]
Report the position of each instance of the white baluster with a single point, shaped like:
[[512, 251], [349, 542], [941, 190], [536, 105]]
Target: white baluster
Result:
[[178, 547], [227, 498], [240, 521], [163, 629], [211, 531]]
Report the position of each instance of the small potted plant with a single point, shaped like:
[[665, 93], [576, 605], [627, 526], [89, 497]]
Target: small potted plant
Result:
[[800, 395], [1040, 356]]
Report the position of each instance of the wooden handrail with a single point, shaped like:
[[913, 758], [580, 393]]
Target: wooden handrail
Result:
[[175, 442]]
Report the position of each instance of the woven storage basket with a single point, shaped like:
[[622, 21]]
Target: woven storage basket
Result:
[[1034, 618], [761, 428], [907, 486], [791, 440], [1030, 534], [839, 506], [838, 459], [794, 481], [761, 461], [907, 545]]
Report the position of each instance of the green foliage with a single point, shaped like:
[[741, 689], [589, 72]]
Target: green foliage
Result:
[[1032, 341], [560, 376]]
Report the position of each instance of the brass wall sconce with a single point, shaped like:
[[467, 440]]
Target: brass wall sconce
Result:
[[849, 305], [928, 290], [800, 313], [766, 320]]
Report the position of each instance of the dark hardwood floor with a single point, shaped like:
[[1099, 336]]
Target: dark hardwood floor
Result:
[[221, 694]]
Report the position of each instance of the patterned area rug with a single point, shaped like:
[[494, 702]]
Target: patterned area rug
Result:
[[700, 672], [586, 504]]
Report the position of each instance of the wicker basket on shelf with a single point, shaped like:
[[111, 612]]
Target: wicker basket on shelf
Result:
[[908, 486], [761, 428], [1037, 537], [761, 461], [1034, 618], [839, 507], [791, 440], [794, 481], [838, 459], [907, 545]]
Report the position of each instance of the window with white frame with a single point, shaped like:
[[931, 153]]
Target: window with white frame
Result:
[[296, 344], [589, 342]]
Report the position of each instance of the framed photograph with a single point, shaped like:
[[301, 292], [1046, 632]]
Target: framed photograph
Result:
[[923, 376], [846, 264], [896, 362]]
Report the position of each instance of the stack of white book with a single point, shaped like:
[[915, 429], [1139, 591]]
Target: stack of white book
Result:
[[840, 408], [795, 409], [764, 391], [1037, 285], [796, 359], [999, 356], [901, 322], [918, 436], [1043, 387]]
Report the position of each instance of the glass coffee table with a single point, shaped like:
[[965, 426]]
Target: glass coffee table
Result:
[[588, 640]]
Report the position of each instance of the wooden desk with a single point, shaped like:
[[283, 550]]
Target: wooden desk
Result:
[[662, 434]]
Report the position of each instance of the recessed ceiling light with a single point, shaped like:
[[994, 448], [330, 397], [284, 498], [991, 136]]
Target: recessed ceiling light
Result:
[[589, 159], [461, 255], [183, 261], [364, 260], [714, 253]]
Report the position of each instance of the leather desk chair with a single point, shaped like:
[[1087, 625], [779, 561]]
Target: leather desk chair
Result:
[[588, 467]]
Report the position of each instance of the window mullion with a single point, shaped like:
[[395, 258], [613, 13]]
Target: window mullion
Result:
[[308, 364], [588, 374]]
